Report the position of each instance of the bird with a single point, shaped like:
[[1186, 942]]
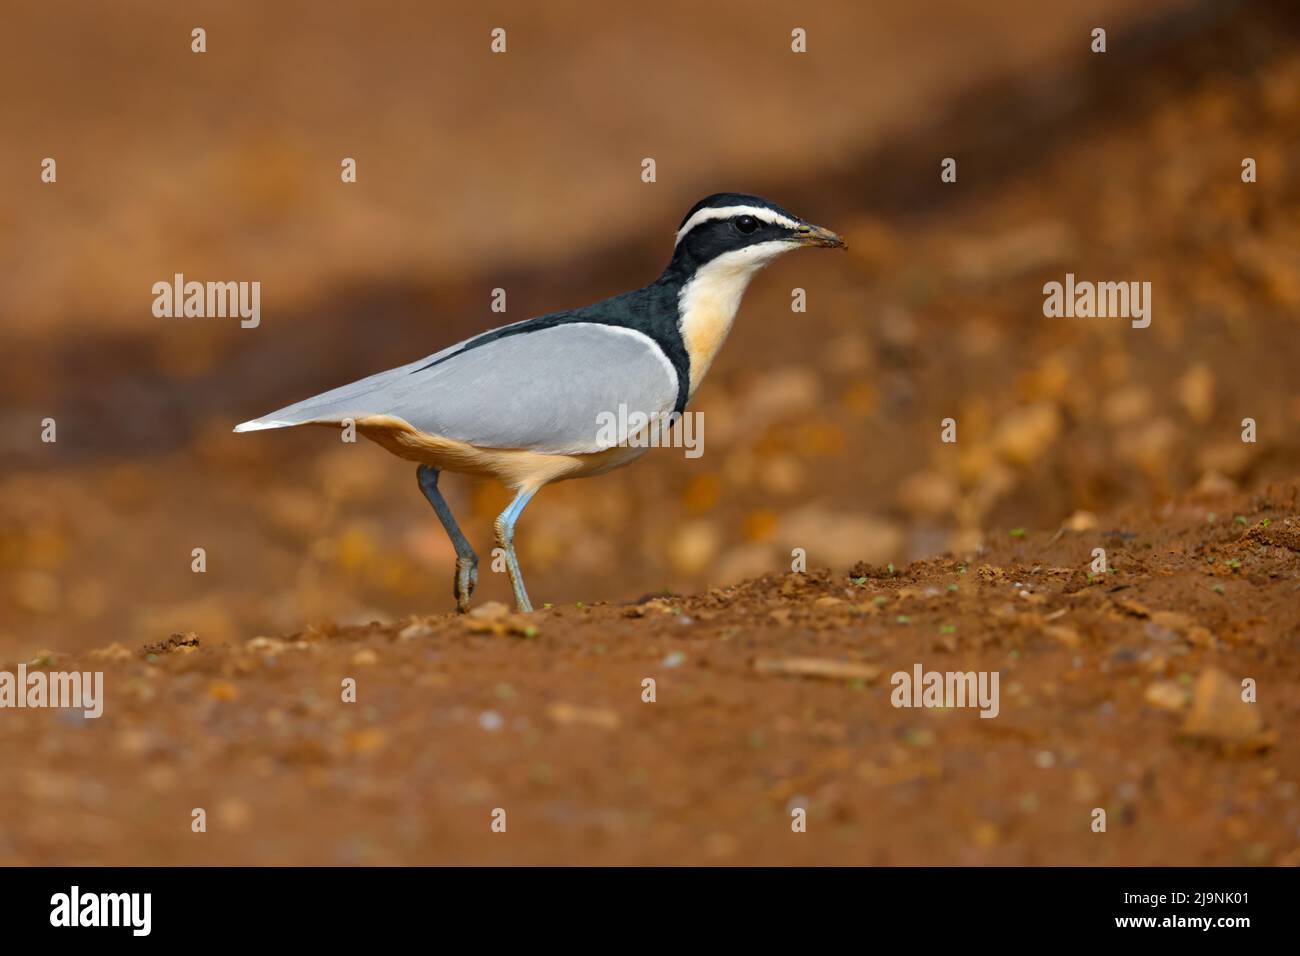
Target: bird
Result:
[[521, 403]]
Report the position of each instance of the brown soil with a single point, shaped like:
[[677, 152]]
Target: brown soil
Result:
[[1118, 691]]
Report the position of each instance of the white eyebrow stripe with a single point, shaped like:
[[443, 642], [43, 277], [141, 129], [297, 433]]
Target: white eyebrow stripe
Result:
[[727, 212]]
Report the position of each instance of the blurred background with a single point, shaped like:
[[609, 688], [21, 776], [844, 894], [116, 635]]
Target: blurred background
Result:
[[522, 171]]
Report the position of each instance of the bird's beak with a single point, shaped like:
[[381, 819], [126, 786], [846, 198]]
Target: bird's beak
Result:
[[809, 235]]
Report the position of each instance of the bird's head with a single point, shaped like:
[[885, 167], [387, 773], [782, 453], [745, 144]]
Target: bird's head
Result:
[[747, 230]]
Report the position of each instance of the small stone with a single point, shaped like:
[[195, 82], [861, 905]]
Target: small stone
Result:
[[1066, 635], [234, 815], [489, 611], [1166, 695], [1196, 392], [1081, 521], [495, 618], [223, 690], [367, 741], [173, 643], [564, 713], [1218, 713], [265, 645], [114, 652], [817, 667], [1213, 484], [1131, 606], [414, 631]]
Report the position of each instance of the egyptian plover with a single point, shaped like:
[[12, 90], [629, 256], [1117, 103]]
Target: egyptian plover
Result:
[[525, 403]]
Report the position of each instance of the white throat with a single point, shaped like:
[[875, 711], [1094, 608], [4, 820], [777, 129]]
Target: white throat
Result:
[[707, 304]]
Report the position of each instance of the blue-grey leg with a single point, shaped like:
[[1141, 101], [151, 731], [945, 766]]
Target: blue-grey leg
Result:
[[466, 560], [505, 528]]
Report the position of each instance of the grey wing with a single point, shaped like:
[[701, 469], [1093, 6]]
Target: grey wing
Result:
[[567, 389]]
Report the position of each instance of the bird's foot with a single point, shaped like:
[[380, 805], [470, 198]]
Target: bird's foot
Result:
[[465, 581], [522, 604]]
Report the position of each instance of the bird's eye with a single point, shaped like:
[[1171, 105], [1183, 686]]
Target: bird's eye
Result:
[[746, 224]]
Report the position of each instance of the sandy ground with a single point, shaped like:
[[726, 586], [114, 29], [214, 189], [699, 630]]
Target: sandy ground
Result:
[[1118, 691]]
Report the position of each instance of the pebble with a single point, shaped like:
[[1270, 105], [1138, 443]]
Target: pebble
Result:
[[816, 667], [223, 690], [414, 631], [564, 713], [1166, 695], [234, 815], [1218, 712], [364, 742]]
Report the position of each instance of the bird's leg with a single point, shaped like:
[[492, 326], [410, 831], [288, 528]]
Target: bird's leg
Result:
[[466, 560], [505, 528]]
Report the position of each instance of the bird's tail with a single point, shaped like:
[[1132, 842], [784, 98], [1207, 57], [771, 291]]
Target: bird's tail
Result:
[[258, 424], [373, 395]]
